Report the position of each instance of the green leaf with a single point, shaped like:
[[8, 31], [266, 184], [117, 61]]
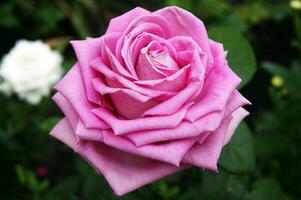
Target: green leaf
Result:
[[240, 53], [239, 155], [64, 190], [21, 173], [7, 17], [266, 189], [217, 186], [187, 4]]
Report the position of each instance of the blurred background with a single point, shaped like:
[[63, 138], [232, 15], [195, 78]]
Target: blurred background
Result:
[[34, 166]]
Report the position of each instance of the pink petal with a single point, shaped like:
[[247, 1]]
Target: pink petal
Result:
[[102, 68], [87, 50], [120, 23], [170, 152], [206, 154], [120, 126], [124, 172], [218, 87], [172, 83], [183, 130], [91, 135], [67, 109], [194, 86], [72, 88], [183, 23], [238, 116]]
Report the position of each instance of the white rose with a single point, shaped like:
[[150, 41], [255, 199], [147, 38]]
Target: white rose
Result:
[[29, 70]]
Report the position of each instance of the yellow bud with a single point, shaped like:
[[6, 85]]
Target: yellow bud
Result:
[[277, 81], [295, 4]]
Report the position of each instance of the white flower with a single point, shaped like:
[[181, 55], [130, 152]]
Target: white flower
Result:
[[30, 69]]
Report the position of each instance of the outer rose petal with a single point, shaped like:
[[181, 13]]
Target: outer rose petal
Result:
[[238, 116], [206, 154], [71, 87], [216, 91], [188, 129], [124, 172], [87, 50], [120, 23]]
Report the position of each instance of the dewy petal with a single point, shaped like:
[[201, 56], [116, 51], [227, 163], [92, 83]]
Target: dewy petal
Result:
[[238, 116], [72, 88], [183, 23], [124, 172], [120, 23], [206, 154], [120, 126]]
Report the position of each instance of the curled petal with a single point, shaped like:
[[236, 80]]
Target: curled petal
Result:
[[120, 126], [102, 68], [216, 90], [194, 86], [183, 23], [72, 88], [87, 50], [238, 115], [206, 154], [120, 23]]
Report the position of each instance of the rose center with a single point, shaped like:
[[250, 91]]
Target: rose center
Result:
[[155, 62]]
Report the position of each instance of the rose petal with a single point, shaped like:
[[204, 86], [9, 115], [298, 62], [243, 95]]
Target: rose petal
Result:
[[67, 109], [183, 23], [87, 50], [238, 116], [71, 87], [100, 66], [216, 90], [170, 152], [206, 155], [91, 135], [124, 172], [148, 123], [194, 86], [172, 83], [120, 23]]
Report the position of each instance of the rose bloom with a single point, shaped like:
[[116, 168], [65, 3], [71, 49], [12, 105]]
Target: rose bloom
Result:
[[152, 96], [30, 69]]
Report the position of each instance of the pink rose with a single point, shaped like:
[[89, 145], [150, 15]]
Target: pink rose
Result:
[[152, 96]]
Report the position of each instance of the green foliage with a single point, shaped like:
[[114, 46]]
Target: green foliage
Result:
[[239, 155], [266, 189]]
